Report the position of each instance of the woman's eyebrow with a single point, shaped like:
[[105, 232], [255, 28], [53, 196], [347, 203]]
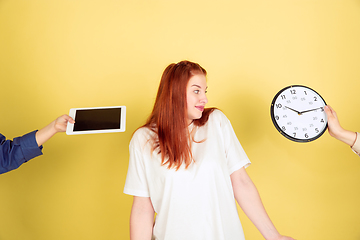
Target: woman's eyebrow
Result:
[[195, 85]]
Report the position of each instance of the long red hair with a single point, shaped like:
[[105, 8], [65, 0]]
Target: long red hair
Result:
[[169, 115]]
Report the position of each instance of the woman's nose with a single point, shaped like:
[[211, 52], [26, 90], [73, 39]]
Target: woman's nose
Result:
[[204, 100]]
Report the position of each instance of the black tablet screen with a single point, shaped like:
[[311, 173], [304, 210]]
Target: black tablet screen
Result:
[[97, 119]]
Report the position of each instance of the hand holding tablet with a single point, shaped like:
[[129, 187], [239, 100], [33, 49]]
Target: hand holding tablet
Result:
[[97, 120]]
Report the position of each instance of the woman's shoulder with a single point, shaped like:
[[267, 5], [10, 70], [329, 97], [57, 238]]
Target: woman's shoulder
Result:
[[144, 132], [217, 115], [142, 135]]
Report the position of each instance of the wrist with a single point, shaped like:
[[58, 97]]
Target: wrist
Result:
[[45, 134], [271, 233], [277, 237], [338, 133], [52, 128], [347, 137]]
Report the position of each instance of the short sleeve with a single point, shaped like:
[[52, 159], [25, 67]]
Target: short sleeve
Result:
[[136, 182], [235, 154]]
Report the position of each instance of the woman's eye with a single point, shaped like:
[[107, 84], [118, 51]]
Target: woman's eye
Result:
[[206, 91], [196, 91]]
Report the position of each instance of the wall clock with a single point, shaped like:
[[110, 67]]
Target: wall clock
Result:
[[298, 113]]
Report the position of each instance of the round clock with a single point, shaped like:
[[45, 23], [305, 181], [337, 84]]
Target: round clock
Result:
[[298, 113]]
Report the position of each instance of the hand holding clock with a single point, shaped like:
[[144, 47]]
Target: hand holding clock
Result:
[[335, 129]]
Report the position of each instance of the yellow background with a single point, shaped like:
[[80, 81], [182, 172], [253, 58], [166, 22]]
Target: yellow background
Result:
[[56, 55]]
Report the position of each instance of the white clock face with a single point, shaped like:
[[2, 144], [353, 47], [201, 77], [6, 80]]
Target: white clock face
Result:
[[298, 113]]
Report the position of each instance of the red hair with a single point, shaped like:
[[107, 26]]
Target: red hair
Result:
[[169, 115]]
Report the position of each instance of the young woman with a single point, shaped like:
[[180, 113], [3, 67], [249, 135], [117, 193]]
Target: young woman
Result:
[[187, 166]]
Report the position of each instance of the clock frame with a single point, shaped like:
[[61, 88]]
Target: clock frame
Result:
[[297, 112]]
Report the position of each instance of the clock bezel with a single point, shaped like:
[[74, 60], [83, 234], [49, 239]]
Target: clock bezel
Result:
[[279, 128]]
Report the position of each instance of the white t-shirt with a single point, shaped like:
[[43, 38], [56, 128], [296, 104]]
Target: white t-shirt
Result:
[[196, 203]]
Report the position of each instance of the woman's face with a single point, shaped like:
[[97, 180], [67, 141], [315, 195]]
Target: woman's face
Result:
[[196, 96]]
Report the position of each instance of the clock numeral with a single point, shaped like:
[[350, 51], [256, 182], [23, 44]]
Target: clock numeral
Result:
[[322, 120], [311, 125], [304, 129], [283, 128], [283, 97], [315, 99], [315, 118], [293, 91], [288, 101], [322, 109], [306, 135], [296, 128], [294, 134], [277, 117], [305, 92], [303, 99], [285, 116], [278, 105], [317, 130], [289, 123]]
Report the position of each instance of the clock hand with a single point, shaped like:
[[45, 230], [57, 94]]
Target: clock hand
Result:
[[299, 113], [310, 110]]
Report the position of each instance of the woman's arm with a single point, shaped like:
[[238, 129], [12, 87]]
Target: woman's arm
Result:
[[141, 219], [249, 200]]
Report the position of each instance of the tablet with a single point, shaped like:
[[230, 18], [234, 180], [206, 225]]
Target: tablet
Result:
[[97, 120]]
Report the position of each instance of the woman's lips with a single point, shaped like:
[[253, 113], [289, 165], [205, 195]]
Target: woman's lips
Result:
[[201, 108]]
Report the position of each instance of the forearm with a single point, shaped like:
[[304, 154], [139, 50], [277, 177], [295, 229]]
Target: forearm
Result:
[[141, 219], [250, 202], [45, 133], [346, 136]]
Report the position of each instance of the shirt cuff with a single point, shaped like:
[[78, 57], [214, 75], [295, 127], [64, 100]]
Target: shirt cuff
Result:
[[356, 146], [29, 146]]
